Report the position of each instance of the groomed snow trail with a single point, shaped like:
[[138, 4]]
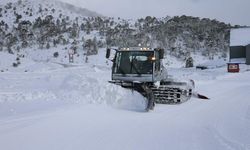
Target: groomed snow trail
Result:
[[74, 108]]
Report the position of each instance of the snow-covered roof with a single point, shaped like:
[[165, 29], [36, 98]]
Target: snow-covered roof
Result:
[[240, 37]]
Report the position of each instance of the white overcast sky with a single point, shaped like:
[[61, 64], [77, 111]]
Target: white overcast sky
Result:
[[229, 11]]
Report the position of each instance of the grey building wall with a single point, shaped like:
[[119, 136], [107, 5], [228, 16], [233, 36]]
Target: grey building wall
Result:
[[248, 54], [238, 52]]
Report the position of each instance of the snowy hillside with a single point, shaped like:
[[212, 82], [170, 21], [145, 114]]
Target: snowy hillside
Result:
[[31, 9], [39, 25], [57, 106]]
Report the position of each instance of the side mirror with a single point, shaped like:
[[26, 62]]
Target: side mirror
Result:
[[161, 53], [108, 53]]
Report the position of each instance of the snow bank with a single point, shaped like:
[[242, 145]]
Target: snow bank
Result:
[[46, 85]]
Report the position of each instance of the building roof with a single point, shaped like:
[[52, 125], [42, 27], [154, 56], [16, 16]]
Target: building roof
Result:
[[240, 37]]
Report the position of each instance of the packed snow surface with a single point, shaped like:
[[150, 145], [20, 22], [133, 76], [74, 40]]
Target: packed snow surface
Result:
[[59, 106]]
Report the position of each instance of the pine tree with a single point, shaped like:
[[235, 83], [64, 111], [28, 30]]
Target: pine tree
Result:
[[95, 48], [189, 62], [48, 45]]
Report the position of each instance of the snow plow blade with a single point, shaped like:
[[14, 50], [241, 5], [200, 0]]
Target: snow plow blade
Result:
[[199, 96], [202, 96]]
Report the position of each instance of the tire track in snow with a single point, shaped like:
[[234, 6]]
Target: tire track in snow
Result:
[[14, 124], [226, 142]]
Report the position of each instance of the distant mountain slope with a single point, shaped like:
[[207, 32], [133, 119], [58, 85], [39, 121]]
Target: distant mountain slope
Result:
[[31, 9], [44, 24]]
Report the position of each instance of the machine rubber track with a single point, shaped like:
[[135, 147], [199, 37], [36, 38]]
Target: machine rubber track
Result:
[[171, 92], [167, 92]]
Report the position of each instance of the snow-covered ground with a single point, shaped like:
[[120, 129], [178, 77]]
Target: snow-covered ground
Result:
[[56, 106]]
